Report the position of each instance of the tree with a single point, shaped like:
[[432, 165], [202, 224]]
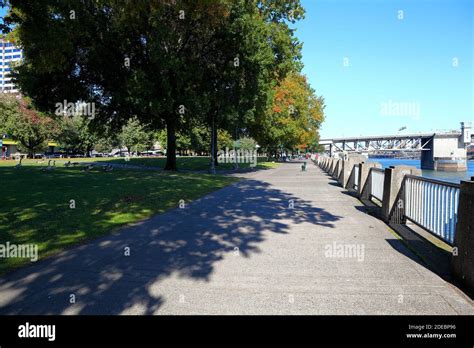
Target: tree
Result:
[[32, 129], [200, 139], [75, 135], [105, 144], [25, 125], [293, 119], [128, 58], [253, 49], [246, 143], [134, 135], [160, 61], [224, 139]]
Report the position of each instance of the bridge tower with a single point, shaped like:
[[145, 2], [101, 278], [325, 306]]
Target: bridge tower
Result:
[[447, 151]]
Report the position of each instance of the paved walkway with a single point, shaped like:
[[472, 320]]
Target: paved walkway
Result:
[[186, 261]]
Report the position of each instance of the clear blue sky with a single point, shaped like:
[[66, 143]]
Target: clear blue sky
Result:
[[407, 62], [403, 61]]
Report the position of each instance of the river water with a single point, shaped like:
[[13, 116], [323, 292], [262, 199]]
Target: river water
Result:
[[455, 177]]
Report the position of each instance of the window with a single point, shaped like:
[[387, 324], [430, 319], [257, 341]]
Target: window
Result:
[[8, 57], [8, 51], [16, 56], [17, 50]]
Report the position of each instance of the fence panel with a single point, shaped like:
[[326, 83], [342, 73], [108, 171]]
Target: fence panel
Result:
[[355, 184], [432, 204], [376, 186]]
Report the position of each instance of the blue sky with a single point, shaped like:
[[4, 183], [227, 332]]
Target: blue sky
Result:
[[392, 63], [3, 11], [400, 73]]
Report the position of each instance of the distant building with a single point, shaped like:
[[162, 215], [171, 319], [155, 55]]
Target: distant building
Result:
[[9, 53], [8, 148]]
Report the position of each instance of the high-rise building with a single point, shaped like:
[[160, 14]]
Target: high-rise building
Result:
[[9, 53]]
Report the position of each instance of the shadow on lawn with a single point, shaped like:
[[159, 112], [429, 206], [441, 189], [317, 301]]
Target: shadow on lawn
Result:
[[182, 242]]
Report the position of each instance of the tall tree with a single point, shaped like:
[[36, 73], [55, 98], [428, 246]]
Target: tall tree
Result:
[[253, 49], [293, 119]]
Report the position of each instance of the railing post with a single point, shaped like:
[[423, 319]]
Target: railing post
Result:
[[331, 166], [342, 177], [463, 254], [338, 171], [334, 167], [363, 186], [391, 186], [347, 167], [326, 164]]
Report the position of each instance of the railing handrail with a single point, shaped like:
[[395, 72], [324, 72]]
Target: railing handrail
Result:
[[433, 181], [431, 204]]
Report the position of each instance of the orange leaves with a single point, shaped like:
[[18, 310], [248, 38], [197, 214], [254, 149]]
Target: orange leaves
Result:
[[296, 112]]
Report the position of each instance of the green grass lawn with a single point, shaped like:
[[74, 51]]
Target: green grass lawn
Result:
[[35, 204], [183, 163], [187, 163]]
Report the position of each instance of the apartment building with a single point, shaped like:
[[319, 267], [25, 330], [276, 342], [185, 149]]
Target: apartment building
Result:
[[9, 53]]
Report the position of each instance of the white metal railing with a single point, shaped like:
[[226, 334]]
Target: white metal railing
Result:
[[355, 184], [432, 204], [429, 203], [377, 177]]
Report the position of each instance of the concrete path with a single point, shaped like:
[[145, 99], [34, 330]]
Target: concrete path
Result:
[[242, 250]]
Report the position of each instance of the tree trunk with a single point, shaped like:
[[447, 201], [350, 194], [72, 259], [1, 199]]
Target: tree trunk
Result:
[[171, 145]]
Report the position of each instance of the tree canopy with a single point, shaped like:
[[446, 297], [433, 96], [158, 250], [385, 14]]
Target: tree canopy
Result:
[[195, 68], [19, 120]]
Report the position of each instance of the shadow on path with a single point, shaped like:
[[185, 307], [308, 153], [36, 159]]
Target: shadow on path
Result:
[[180, 243]]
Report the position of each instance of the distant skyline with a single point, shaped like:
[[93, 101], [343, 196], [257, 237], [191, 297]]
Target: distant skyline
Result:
[[408, 64]]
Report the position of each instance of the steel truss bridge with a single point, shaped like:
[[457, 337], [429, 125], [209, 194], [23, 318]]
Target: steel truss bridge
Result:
[[405, 142]]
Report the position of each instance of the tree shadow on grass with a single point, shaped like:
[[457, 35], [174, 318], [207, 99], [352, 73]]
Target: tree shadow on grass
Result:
[[184, 242]]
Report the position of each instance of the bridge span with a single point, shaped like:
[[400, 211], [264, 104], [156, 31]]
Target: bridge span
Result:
[[439, 150]]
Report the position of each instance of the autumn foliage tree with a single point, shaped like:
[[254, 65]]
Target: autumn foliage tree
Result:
[[294, 117]]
